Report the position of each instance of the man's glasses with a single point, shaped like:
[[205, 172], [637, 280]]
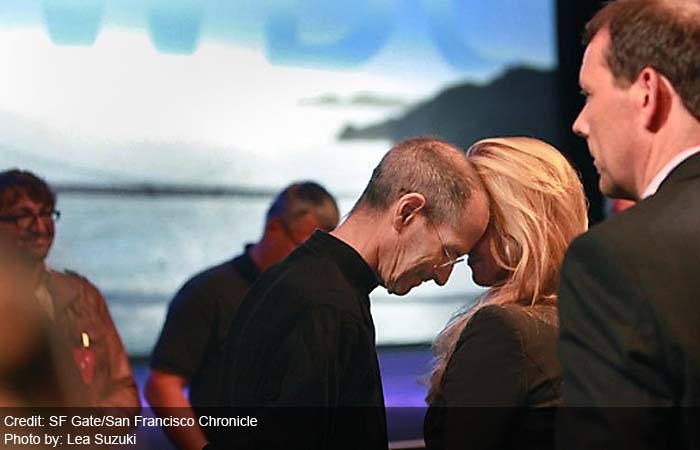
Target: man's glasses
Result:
[[450, 261], [26, 220]]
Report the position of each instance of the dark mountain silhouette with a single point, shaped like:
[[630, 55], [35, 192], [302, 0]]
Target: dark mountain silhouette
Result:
[[521, 102]]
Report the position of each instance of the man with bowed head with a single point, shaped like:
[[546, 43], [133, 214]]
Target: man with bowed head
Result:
[[628, 298], [304, 336]]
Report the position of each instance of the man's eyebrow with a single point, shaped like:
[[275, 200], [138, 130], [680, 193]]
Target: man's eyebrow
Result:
[[26, 210]]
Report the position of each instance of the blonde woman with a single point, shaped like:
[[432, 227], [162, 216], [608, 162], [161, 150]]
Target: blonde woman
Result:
[[502, 353]]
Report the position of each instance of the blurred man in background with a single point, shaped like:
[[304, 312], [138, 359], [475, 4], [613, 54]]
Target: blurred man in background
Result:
[[188, 352], [89, 357]]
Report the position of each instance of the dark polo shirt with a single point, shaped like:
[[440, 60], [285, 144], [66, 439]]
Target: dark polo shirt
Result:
[[192, 338], [304, 338]]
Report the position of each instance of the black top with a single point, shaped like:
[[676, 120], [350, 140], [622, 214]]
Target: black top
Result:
[[503, 372], [629, 306], [304, 337], [195, 329]]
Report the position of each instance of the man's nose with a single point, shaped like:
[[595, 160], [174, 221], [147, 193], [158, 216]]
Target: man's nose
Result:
[[41, 224], [580, 126]]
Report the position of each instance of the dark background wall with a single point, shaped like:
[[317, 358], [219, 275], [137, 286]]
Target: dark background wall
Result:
[[572, 16]]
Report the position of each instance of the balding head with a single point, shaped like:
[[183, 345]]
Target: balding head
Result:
[[302, 198], [295, 213], [427, 166], [423, 208]]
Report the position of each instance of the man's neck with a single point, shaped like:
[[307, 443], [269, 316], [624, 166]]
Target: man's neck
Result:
[[37, 272], [264, 254], [665, 147], [360, 232]]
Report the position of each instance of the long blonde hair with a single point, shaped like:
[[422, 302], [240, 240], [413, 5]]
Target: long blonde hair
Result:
[[537, 208]]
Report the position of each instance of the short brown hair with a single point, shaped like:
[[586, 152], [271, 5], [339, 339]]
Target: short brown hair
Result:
[[14, 183], [305, 197], [428, 166], [663, 34]]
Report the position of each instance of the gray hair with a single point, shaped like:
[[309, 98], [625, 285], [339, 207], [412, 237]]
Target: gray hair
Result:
[[428, 166]]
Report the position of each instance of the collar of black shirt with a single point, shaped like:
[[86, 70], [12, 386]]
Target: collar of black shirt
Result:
[[350, 262], [245, 265]]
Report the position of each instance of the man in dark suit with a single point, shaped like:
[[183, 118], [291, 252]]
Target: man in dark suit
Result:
[[629, 299]]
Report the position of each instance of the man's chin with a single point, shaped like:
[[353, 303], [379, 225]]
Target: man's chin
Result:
[[37, 251], [393, 290], [400, 290], [610, 189]]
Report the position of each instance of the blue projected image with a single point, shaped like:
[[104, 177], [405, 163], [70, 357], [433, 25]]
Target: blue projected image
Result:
[[134, 96], [464, 31]]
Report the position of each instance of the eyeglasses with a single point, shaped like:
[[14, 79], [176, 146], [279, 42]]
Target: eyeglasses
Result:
[[450, 261], [26, 220]]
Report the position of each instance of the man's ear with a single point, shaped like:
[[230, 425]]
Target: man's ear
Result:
[[653, 98], [407, 209]]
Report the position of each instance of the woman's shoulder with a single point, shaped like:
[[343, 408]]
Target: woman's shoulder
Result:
[[514, 319], [492, 323], [513, 313]]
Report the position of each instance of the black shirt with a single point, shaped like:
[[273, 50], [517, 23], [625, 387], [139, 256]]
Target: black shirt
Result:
[[502, 383], [192, 338], [304, 337]]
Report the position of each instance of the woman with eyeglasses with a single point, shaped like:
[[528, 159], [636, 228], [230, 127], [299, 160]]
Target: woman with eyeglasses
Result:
[[497, 377]]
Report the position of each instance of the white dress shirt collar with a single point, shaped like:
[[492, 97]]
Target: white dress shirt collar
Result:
[[653, 186]]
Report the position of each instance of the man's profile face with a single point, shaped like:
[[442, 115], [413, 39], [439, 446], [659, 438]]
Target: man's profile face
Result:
[[424, 252], [607, 121], [37, 237]]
